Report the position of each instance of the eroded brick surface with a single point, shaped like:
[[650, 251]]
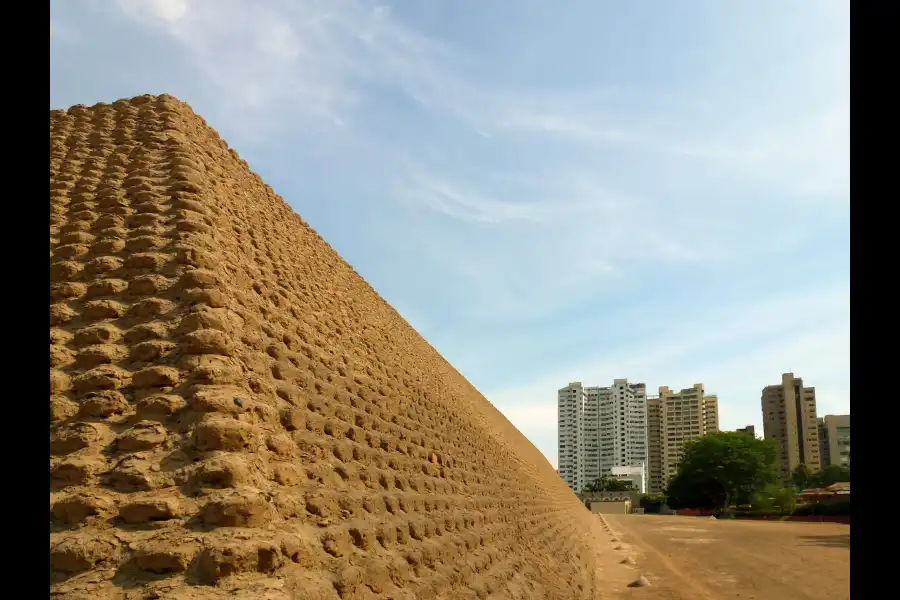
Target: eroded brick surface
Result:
[[236, 413]]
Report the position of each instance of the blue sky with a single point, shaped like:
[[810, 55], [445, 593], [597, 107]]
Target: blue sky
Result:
[[652, 190]]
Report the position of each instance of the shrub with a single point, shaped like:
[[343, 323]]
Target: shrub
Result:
[[822, 508], [805, 510], [652, 503], [758, 512], [837, 508]]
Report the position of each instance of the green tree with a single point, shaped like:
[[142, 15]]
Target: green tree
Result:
[[829, 475], [801, 477], [786, 500], [593, 487], [652, 503], [617, 485], [609, 484], [690, 489], [765, 498], [720, 467], [804, 479], [774, 497]]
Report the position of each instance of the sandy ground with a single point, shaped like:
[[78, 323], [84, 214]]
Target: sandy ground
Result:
[[702, 559]]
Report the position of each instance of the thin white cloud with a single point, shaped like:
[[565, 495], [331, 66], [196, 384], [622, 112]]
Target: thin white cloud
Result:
[[810, 155], [470, 206], [778, 317], [63, 32], [575, 235], [167, 10], [581, 126], [560, 203], [260, 57], [314, 60]]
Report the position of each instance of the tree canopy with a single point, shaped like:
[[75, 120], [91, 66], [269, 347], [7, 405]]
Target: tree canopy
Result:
[[609, 484], [775, 497], [722, 466], [652, 503], [803, 478]]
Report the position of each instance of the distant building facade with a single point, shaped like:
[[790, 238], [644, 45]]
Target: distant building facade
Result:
[[623, 426], [682, 416], [601, 428], [834, 440], [789, 418], [570, 425], [635, 475], [749, 430], [618, 431], [655, 482]]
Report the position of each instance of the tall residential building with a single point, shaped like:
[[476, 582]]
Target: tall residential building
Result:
[[655, 482], [623, 425], [683, 416], [601, 428], [749, 430], [834, 440], [710, 413], [570, 423], [591, 435], [789, 418]]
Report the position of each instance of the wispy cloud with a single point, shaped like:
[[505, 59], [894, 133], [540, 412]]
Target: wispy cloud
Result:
[[312, 59], [260, 57], [779, 318], [320, 61], [467, 205], [63, 32], [556, 203]]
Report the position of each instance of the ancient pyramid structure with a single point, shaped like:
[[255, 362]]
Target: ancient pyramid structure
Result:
[[236, 413]]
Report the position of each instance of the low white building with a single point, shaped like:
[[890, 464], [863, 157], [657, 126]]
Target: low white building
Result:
[[635, 474]]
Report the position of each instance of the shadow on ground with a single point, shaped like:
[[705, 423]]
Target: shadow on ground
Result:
[[831, 541]]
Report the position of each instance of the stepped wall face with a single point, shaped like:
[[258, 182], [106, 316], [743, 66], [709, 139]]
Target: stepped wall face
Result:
[[236, 413]]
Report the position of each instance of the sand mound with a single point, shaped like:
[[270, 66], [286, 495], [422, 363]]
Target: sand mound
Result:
[[235, 412]]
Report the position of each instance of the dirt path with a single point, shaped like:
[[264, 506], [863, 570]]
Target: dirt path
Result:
[[694, 558]]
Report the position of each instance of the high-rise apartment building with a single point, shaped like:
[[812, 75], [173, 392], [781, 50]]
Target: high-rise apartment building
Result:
[[655, 482], [789, 418], [601, 428], [623, 425], [710, 413], [570, 424], [834, 440], [682, 416], [591, 434]]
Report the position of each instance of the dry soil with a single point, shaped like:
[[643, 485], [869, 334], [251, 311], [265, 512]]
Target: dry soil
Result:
[[235, 413], [694, 558]]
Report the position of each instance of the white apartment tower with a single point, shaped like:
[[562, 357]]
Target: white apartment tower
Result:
[[601, 428], [570, 423], [623, 426]]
